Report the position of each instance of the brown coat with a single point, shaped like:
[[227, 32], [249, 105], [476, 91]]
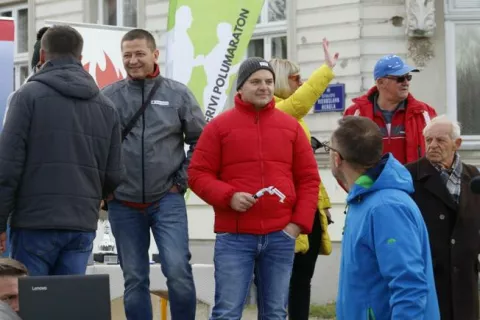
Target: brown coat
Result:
[[454, 232]]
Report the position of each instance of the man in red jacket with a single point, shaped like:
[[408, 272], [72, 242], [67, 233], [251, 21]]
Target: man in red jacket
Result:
[[254, 165], [399, 115]]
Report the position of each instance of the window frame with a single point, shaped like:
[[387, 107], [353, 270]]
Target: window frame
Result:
[[20, 59], [15, 9], [264, 16], [267, 43], [120, 18], [453, 17], [17, 73], [267, 30], [264, 30], [451, 11]]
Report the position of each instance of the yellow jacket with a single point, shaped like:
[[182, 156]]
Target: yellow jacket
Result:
[[298, 105]]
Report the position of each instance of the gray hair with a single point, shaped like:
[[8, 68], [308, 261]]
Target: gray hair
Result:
[[455, 132]]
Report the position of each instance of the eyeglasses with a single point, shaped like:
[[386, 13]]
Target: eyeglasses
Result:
[[327, 148], [400, 79]]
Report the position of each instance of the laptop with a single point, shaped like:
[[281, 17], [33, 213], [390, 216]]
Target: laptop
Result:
[[79, 297]]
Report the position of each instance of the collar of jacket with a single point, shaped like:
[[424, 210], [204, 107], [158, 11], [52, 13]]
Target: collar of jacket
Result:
[[249, 108], [456, 167], [425, 169]]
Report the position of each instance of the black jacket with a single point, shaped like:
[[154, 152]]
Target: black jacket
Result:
[[454, 233], [60, 151]]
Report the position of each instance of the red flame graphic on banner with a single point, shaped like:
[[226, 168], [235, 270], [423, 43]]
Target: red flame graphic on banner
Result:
[[107, 76]]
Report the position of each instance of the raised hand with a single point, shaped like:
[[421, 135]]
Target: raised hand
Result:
[[329, 60]]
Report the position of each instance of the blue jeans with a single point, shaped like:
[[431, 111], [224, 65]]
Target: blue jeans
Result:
[[131, 228], [52, 252], [6, 254], [238, 257]]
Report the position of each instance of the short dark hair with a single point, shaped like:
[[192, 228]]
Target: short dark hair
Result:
[[359, 141], [41, 32], [61, 41], [140, 34], [12, 268]]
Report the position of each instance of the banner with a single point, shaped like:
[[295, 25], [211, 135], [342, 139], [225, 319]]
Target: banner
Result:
[[101, 55], [7, 51], [206, 42]]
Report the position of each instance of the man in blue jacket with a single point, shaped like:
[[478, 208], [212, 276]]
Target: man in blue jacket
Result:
[[386, 266]]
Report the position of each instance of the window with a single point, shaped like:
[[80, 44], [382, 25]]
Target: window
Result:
[[21, 72], [273, 11], [462, 36], [269, 38], [462, 7], [268, 47], [118, 12], [467, 62], [20, 15]]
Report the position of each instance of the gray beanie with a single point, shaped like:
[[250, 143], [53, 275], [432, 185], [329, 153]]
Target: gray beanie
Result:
[[250, 66]]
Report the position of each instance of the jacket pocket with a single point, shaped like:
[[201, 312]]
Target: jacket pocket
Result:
[[288, 235], [287, 187]]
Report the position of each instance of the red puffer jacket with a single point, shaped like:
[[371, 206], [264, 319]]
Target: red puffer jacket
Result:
[[243, 150], [408, 145]]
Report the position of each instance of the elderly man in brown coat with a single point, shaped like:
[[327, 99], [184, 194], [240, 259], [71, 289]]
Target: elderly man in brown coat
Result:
[[452, 215]]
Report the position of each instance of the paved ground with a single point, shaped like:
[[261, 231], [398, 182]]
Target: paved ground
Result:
[[249, 313]]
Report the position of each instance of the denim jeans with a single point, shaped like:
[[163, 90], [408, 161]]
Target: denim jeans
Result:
[[131, 228], [52, 252], [6, 254], [237, 258]]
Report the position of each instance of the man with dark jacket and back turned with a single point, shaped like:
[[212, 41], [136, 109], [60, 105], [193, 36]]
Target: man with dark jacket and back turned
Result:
[[60, 154], [152, 195]]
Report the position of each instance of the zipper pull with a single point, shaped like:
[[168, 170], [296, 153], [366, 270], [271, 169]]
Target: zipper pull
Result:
[[257, 117]]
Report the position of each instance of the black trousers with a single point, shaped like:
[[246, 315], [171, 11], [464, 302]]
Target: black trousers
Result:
[[302, 273]]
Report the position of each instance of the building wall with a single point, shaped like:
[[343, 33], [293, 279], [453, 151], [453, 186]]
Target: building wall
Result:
[[65, 10], [156, 16]]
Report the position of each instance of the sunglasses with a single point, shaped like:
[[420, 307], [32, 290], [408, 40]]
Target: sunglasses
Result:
[[295, 77], [400, 79]]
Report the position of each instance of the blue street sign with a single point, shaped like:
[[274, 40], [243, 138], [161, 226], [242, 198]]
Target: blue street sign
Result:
[[333, 99]]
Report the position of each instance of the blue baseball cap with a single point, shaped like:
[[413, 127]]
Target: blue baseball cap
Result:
[[391, 65]]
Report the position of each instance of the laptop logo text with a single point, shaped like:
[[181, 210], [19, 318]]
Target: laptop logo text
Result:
[[160, 102], [39, 288]]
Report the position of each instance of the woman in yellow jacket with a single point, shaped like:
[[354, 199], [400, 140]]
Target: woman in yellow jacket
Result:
[[297, 98]]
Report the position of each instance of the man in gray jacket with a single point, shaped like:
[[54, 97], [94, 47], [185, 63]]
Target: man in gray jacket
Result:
[[152, 195], [60, 154]]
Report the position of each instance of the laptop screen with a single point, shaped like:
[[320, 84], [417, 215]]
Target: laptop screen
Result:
[[64, 297]]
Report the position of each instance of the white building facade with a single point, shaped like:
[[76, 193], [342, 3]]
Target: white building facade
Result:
[[441, 37]]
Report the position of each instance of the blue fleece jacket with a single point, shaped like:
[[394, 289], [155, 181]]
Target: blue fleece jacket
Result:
[[386, 267]]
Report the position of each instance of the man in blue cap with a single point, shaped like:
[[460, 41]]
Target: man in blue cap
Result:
[[399, 115]]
